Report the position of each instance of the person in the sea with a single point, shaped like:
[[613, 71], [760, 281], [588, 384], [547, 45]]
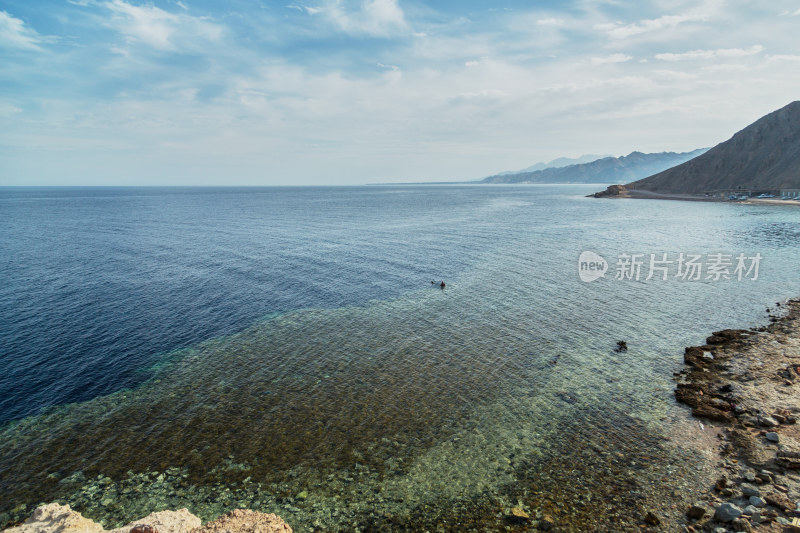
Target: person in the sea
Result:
[[442, 285]]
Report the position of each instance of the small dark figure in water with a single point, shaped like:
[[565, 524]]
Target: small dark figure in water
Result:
[[442, 285], [622, 346], [433, 283]]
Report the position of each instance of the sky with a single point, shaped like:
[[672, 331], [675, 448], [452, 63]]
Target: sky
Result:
[[341, 92]]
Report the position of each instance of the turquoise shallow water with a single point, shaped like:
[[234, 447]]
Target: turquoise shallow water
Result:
[[376, 400]]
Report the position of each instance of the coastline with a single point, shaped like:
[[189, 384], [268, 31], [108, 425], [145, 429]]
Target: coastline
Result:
[[743, 383], [621, 191]]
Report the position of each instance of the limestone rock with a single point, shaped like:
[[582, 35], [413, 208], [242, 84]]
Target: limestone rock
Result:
[[55, 518], [181, 521], [246, 521]]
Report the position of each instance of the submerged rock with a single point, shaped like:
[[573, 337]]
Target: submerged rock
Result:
[[651, 519], [519, 515]]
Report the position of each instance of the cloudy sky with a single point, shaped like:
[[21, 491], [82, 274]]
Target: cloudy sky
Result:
[[249, 92]]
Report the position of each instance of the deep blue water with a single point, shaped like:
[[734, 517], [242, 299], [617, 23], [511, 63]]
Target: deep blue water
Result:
[[98, 281], [288, 340]]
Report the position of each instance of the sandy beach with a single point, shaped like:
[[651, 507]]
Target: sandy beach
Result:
[[772, 201]]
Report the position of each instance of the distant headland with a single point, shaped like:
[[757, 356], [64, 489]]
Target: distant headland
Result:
[[759, 163]]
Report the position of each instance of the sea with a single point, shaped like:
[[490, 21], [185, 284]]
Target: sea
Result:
[[292, 350]]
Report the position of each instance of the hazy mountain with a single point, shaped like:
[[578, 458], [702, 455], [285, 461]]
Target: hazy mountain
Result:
[[556, 163], [606, 170], [764, 155]]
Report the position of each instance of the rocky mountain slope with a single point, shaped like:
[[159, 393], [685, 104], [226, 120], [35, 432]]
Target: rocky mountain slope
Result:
[[763, 156]]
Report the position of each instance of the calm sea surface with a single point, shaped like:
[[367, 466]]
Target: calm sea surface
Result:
[[283, 349]]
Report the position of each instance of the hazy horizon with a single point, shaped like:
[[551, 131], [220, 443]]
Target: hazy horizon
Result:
[[335, 92]]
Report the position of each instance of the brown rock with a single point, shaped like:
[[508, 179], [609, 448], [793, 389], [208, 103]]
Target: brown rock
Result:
[[245, 521], [651, 519], [546, 522], [741, 524], [696, 511], [689, 394], [180, 521], [613, 191], [711, 413], [693, 356], [749, 447], [55, 518], [779, 501], [518, 515]]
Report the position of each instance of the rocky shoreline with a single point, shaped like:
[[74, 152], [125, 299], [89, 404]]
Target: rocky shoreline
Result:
[[744, 385], [622, 191], [55, 518]]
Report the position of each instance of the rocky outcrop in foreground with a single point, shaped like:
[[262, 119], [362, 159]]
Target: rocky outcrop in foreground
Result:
[[55, 518], [746, 383]]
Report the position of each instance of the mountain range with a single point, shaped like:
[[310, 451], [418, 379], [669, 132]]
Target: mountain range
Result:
[[633, 166], [556, 163]]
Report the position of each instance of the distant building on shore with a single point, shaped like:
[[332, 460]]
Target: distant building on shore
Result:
[[752, 193]]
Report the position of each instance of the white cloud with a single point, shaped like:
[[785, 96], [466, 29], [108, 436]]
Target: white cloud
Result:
[[307, 9], [463, 103], [551, 22], [372, 17], [160, 29], [622, 31], [14, 34], [613, 58], [712, 54], [8, 110], [782, 57]]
